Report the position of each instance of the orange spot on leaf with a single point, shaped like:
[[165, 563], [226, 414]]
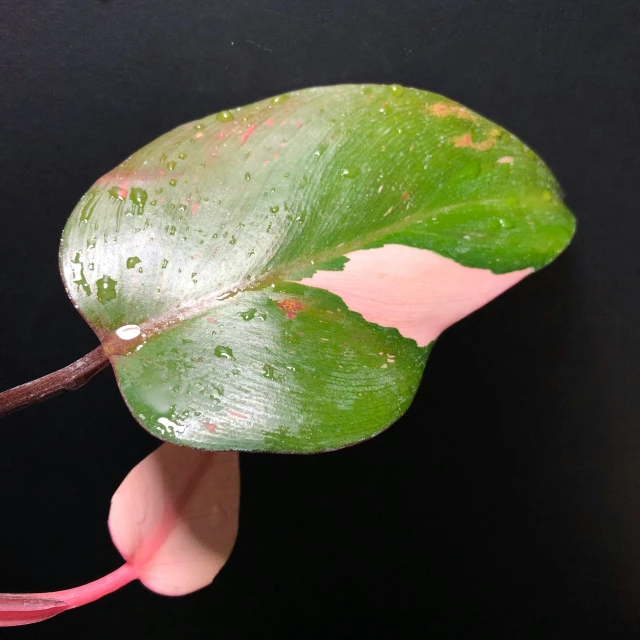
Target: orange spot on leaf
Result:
[[212, 320], [405, 195], [465, 140], [444, 110], [290, 307], [210, 427]]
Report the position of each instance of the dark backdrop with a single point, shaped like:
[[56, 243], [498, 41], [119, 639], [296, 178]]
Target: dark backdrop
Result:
[[506, 503]]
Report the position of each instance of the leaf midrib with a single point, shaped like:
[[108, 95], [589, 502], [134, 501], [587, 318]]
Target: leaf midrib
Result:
[[153, 327]]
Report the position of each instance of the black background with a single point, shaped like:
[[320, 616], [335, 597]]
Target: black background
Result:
[[506, 503]]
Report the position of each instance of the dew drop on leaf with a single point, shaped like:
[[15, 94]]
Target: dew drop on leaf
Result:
[[223, 352], [268, 372], [225, 116], [106, 289], [138, 196]]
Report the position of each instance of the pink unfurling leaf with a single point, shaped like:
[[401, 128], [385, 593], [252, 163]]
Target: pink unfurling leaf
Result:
[[174, 519]]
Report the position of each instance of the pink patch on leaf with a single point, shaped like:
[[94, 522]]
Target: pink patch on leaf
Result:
[[269, 122], [418, 292]]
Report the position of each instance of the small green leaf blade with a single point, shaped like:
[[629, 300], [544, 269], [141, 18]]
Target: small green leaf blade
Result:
[[223, 266]]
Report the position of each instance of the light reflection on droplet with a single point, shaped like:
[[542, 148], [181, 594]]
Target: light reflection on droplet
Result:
[[128, 332]]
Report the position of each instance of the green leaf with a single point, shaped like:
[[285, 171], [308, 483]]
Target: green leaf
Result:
[[272, 277]]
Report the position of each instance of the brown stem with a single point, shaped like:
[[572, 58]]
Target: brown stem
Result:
[[70, 378]]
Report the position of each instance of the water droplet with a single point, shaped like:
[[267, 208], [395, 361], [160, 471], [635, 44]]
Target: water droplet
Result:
[[351, 173], [88, 208], [225, 116], [165, 262], [274, 209], [320, 150], [233, 240], [268, 372], [182, 156], [167, 423], [106, 289], [279, 99], [505, 224], [172, 231], [78, 274], [247, 176], [199, 126], [250, 314], [173, 182], [397, 90], [118, 193], [128, 332], [223, 352], [138, 196], [132, 262], [171, 165]]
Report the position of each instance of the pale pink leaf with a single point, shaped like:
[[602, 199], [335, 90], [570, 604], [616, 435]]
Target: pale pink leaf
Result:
[[174, 518]]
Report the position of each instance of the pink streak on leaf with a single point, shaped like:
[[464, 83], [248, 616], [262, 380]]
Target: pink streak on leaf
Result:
[[247, 134], [174, 518]]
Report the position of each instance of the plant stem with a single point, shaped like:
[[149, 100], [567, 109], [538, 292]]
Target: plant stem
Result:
[[95, 590], [70, 378]]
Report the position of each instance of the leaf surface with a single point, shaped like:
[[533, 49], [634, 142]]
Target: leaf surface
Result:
[[273, 277]]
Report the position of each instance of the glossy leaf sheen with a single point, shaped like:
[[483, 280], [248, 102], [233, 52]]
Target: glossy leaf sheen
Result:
[[269, 278]]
